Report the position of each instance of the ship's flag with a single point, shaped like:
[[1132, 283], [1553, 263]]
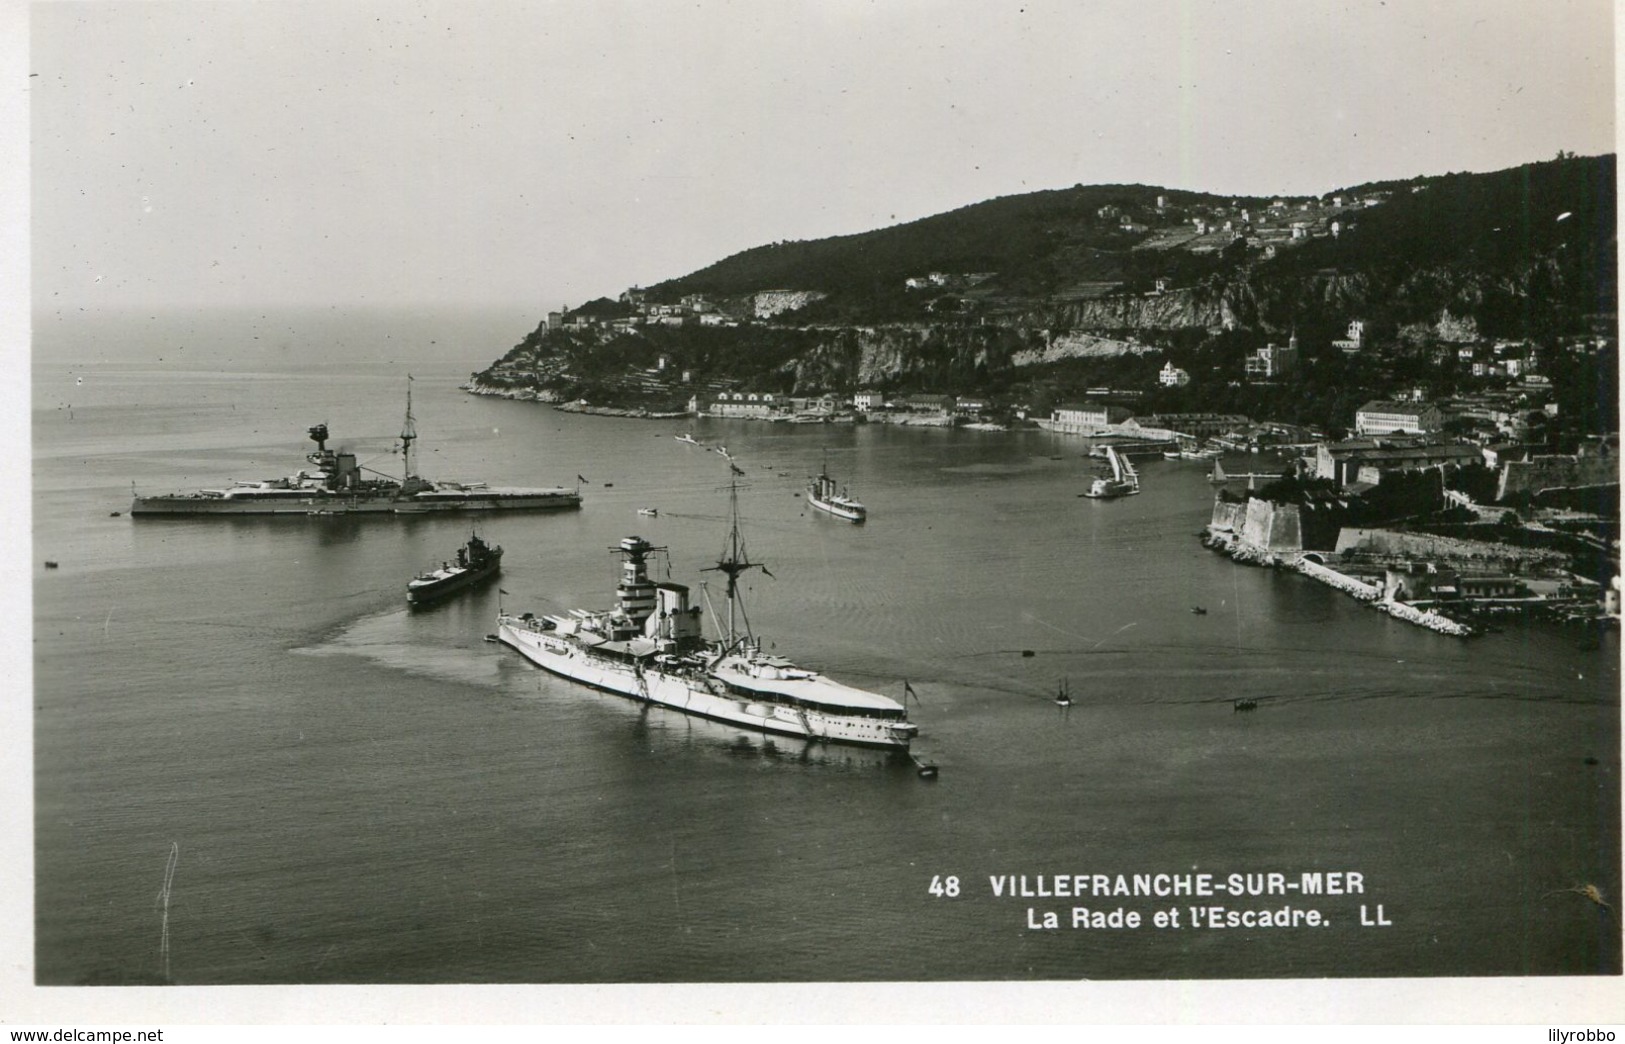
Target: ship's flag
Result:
[[581, 478], [503, 590], [736, 469], [908, 690]]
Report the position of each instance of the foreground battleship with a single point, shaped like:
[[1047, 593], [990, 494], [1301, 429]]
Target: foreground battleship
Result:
[[650, 647], [337, 486]]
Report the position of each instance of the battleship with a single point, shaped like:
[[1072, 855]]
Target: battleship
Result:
[[477, 561], [823, 495], [651, 648], [337, 485]]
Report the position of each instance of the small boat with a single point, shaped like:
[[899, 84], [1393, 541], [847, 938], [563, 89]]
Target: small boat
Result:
[[686, 437], [927, 771], [493, 639], [649, 512], [477, 561], [1028, 653], [50, 563], [1198, 610], [1244, 705], [114, 514], [1063, 695]]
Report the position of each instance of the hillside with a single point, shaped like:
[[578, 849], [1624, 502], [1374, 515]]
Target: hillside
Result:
[[1490, 244], [1014, 297], [1036, 244]]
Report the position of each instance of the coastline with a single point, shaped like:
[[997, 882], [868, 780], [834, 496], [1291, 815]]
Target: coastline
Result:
[[1238, 550]]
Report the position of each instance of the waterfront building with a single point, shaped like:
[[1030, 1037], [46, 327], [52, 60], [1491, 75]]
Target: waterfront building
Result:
[[1082, 418], [1367, 460], [1384, 416], [1197, 425], [929, 403], [738, 404]]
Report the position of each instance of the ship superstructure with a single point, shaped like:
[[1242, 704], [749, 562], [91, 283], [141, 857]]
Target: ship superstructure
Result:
[[336, 484], [651, 647]]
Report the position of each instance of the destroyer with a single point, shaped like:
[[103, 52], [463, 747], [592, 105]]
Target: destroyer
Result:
[[337, 486], [822, 494], [650, 647], [477, 561]]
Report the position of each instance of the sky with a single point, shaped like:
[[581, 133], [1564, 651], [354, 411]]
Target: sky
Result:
[[230, 153]]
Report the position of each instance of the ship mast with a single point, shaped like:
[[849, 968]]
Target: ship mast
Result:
[[734, 561], [408, 432]]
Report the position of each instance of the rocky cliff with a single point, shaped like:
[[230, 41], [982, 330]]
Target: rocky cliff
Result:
[[941, 355]]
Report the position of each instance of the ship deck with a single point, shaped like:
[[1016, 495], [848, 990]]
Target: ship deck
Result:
[[802, 685]]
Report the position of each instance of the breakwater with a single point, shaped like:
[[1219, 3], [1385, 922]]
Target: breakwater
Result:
[[1243, 551], [1342, 581], [1424, 618]]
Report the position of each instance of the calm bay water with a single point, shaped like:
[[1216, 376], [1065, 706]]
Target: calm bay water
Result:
[[362, 795]]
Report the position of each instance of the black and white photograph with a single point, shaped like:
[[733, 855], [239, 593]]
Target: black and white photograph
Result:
[[925, 499]]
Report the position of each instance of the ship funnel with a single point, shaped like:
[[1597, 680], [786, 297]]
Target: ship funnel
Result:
[[346, 473], [674, 620]]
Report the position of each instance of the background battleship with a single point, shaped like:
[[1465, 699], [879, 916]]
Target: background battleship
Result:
[[337, 486]]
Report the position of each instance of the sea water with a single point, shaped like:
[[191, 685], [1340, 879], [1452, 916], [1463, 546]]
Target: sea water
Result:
[[362, 794]]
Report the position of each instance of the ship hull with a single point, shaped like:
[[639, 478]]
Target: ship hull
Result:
[[835, 509], [429, 594], [698, 694], [318, 504]]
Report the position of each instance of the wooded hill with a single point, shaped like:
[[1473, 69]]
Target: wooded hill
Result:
[[1427, 264]]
